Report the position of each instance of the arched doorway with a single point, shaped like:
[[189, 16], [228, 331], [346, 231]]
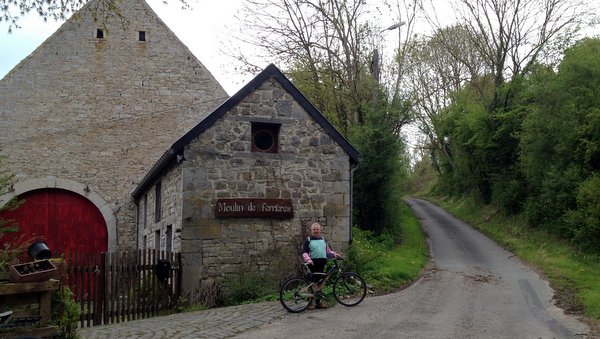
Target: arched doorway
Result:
[[66, 221]]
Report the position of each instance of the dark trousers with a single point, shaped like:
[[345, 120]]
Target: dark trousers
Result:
[[318, 267]]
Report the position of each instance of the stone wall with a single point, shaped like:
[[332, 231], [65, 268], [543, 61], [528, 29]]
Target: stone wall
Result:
[[99, 111], [170, 210], [310, 168]]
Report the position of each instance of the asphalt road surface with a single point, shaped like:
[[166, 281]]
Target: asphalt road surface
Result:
[[472, 289]]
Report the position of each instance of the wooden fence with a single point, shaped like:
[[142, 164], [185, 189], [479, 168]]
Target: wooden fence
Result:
[[116, 287]]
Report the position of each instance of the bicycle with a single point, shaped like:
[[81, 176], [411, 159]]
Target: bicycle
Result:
[[298, 293]]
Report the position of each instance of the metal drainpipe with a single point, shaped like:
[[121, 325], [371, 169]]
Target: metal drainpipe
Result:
[[137, 225], [351, 198]]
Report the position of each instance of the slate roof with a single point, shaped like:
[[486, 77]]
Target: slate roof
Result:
[[270, 72]]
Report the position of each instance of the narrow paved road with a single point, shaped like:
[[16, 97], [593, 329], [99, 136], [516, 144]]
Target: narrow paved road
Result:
[[473, 289]]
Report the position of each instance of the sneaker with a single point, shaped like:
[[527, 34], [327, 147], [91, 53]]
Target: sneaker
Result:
[[321, 305]]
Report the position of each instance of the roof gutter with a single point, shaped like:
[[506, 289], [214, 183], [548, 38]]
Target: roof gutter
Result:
[[158, 167]]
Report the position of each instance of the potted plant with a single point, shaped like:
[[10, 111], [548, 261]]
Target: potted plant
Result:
[[39, 270]]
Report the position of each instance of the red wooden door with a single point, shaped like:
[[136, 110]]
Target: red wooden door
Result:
[[66, 221]]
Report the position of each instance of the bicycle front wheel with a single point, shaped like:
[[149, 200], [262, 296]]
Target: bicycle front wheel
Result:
[[296, 294], [349, 289]]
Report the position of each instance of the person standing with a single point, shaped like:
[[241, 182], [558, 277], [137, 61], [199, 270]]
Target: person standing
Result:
[[315, 252]]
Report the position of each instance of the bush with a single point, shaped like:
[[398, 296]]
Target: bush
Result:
[[65, 313], [247, 286], [393, 259], [207, 296], [364, 252], [509, 193], [378, 179], [556, 196], [585, 220]]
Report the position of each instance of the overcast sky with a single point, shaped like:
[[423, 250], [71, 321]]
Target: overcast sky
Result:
[[203, 29]]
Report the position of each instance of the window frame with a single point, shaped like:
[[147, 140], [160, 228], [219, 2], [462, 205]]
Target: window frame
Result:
[[271, 130]]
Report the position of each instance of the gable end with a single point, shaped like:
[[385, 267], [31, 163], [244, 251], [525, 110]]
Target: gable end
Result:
[[270, 72]]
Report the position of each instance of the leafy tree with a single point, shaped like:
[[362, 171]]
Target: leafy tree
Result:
[[382, 168], [328, 49], [474, 120], [560, 146], [512, 36], [466, 135], [468, 80], [437, 68], [585, 220]]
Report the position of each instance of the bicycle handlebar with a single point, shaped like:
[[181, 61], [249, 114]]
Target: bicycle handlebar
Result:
[[339, 257]]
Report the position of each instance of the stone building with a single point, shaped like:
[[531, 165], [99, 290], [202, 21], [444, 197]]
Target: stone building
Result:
[[85, 116], [238, 191]]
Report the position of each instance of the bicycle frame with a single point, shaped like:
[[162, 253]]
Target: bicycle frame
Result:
[[335, 268], [297, 293]]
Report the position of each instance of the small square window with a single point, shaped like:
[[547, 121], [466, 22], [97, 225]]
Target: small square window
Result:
[[142, 36], [265, 137], [99, 33]]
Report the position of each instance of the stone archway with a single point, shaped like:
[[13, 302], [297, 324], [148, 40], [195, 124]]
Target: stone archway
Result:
[[73, 211]]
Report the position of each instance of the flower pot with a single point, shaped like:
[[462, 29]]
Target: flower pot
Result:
[[39, 250], [34, 271]]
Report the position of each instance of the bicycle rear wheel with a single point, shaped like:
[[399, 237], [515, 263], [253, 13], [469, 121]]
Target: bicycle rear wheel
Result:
[[349, 289], [296, 294]]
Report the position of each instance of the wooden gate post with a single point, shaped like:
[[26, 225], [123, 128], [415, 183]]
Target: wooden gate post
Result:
[[99, 279], [106, 288], [178, 276]]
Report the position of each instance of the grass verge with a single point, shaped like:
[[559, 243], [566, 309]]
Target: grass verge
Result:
[[392, 260]]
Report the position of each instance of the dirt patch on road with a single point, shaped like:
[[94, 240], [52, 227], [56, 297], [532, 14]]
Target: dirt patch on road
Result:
[[565, 297], [478, 278]]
